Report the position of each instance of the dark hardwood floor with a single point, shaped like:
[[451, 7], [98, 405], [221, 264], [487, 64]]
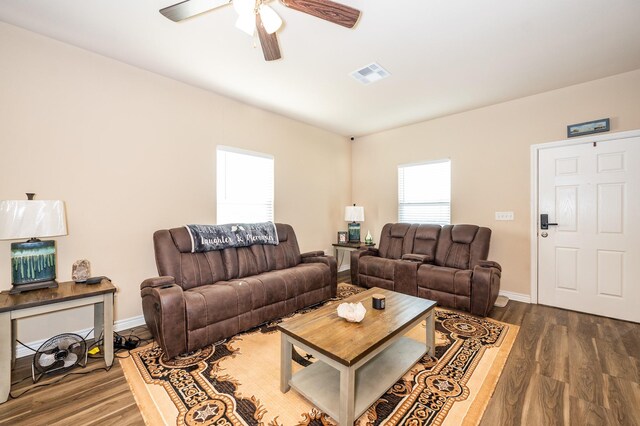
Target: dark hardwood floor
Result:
[[565, 368]]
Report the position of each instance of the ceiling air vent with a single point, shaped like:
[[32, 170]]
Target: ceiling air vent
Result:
[[370, 74]]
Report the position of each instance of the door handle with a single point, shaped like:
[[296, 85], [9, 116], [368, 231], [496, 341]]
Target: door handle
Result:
[[544, 222]]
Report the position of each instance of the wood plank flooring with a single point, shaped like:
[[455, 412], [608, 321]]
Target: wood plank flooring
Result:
[[566, 368]]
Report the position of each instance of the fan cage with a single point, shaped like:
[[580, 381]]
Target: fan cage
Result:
[[59, 354]]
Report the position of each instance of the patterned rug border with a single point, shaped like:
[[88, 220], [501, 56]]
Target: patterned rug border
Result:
[[152, 415]]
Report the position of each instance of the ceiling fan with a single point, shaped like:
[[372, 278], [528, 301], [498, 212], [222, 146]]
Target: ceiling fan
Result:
[[257, 15]]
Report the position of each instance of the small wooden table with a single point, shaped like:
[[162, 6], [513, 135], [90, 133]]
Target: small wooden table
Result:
[[36, 302], [357, 362], [348, 247]]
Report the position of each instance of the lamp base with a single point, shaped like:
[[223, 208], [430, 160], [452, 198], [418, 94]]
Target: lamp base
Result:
[[19, 288], [33, 261], [354, 232]]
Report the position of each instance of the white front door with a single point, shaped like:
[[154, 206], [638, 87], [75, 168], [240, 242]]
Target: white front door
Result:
[[590, 260]]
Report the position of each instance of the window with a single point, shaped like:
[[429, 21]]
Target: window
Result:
[[244, 186], [424, 192]]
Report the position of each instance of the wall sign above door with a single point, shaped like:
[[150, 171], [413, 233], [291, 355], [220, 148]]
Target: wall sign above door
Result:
[[588, 127]]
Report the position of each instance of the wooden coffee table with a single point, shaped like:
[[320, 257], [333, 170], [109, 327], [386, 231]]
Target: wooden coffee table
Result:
[[357, 362]]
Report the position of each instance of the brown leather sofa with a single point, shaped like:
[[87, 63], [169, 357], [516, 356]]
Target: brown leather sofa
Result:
[[447, 264], [201, 298]]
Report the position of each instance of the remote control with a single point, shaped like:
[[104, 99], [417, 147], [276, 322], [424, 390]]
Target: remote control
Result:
[[96, 280]]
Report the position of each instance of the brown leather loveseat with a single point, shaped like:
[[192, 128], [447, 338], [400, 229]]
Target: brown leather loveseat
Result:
[[201, 298], [447, 264]]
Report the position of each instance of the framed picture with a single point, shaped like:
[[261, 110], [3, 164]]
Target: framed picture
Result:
[[588, 128], [342, 237]]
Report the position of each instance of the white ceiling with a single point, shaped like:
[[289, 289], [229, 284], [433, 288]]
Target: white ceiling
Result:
[[445, 56]]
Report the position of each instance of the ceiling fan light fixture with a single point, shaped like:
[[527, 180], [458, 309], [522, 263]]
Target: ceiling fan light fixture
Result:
[[246, 24], [244, 7], [270, 19]]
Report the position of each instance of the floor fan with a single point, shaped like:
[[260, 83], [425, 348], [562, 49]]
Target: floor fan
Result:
[[59, 354]]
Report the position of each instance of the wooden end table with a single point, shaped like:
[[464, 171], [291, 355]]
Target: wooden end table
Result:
[[37, 302], [348, 247], [357, 362]]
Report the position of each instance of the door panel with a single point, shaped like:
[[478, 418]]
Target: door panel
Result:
[[590, 260]]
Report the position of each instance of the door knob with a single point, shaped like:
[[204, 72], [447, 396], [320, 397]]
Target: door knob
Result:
[[544, 235], [544, 222]]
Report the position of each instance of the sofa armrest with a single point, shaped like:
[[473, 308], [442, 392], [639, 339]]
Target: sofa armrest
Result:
[[355, 257], [420, 258], [485, 285], [157, 282], [164, 312], [317, 253], [371, 251], [330, 261], [490, 264]]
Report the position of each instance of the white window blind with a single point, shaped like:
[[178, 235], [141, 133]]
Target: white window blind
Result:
[[244, 186], [424, 193]]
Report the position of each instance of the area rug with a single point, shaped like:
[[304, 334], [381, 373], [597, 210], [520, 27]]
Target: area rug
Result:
[[237, 381]]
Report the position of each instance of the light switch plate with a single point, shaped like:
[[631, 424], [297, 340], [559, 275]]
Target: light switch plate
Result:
[[504, 215]]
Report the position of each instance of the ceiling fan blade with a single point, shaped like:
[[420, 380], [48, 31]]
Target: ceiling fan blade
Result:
[[327, 10], [188, 8], [269, 42]]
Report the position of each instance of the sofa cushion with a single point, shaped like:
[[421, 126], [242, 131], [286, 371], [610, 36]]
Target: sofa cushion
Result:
[[369, 281], [426, 239], [213, 303], [444, 279], [396, 239], [195, 269], [462, 246], [377, 267], [444, 299]]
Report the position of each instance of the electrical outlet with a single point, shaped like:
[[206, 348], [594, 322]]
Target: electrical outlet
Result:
[[504, 215]]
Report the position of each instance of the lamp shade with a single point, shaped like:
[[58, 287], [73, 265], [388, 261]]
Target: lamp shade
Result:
[[32, 219], [354, 214]]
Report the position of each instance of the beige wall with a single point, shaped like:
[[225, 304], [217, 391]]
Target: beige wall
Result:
[[489, 150], [131, 152]]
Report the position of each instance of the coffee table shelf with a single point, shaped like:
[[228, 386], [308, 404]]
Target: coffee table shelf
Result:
[[320, 382]]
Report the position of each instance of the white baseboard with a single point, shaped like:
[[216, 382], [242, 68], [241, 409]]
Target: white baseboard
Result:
[[344, 268], [518, 297], [120, 325]]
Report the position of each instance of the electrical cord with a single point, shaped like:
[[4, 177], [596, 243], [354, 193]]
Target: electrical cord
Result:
[[26, 346]]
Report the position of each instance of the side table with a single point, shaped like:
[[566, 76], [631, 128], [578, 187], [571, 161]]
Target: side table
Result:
[[37, 302], [347, 247]]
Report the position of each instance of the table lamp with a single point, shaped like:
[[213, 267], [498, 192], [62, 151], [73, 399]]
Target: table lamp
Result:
[[353, 215], [33, 263]]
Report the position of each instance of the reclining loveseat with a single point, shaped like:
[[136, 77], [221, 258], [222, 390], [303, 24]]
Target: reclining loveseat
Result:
[[201, 298], [447, 264]]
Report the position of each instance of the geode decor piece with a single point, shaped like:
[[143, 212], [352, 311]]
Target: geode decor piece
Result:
[[352, 312], [81, 270]]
